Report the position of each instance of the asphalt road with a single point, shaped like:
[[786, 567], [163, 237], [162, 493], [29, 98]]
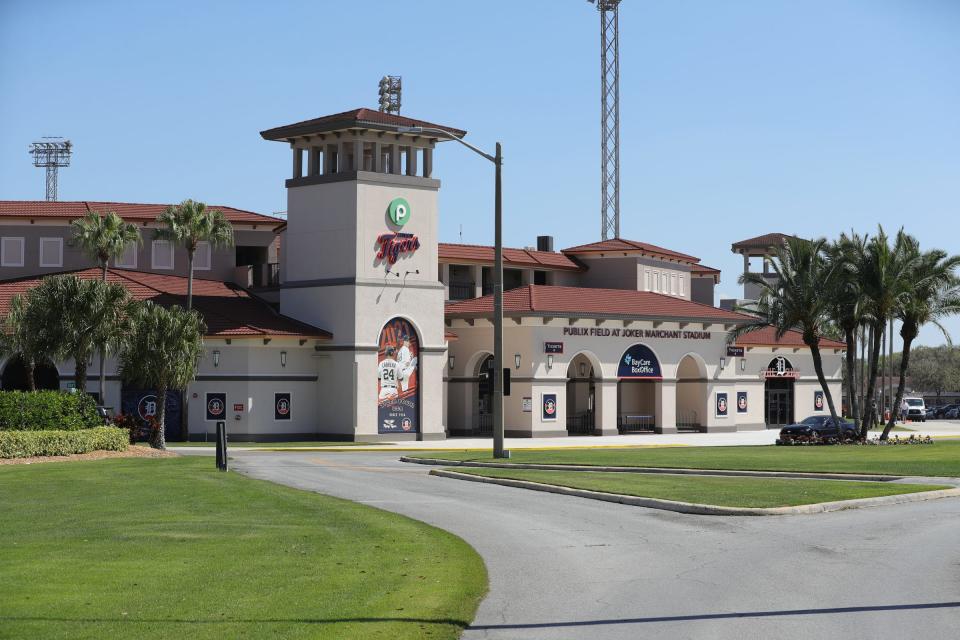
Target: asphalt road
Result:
[[564, 567]]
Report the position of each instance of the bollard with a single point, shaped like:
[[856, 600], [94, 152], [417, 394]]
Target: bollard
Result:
[[222, 446]]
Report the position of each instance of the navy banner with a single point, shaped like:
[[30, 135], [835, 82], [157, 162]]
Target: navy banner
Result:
[[741, 401], [639, 362], [281, 406], [721, 405], [216, 406], [818, 400], [398, 397]]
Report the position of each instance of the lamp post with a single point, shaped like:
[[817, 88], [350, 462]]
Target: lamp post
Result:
[[497, 160]]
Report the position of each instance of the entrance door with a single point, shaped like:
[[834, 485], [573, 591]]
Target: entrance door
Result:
[[779, 409]]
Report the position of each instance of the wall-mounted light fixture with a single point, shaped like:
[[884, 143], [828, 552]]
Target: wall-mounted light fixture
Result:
[[283, 358], [583, 369], [549, 361], [743, 364], [450, 362], [216, 357], [723, 362], [516, 359]]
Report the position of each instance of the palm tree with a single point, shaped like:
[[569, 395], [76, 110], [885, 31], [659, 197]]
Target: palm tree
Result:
[[71, 310], [104, 237], [885, 278], [190, 223], [846, 305], [934, 294], [161, 353], [795, 299], [25, 336]]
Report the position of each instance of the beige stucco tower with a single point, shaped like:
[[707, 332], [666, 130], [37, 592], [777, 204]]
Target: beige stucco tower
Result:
[[351, 261]]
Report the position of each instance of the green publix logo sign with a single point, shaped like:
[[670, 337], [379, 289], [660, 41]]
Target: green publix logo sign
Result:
[[392, 245]]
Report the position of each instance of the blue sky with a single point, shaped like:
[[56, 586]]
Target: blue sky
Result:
[[738, 117]]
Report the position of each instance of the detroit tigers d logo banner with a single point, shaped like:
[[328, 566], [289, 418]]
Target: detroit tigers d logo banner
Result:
[[398, 396]]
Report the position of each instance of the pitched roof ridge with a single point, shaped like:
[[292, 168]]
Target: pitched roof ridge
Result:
[[531, 292]]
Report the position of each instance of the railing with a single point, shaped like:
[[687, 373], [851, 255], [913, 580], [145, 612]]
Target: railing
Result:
[[581, 423], [257, 275], [632, 423], [688, 420], [462, 290]]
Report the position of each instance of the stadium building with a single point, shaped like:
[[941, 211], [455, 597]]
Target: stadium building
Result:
[[350, 320]]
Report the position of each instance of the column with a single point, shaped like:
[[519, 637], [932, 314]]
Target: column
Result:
[[343, 154], [606, 406], [428, 162], [477, 270], [411, 160], [313, 161], [445, 279], [666, 407], [297, 162], [378, 157], [358, 155], [395, 158]]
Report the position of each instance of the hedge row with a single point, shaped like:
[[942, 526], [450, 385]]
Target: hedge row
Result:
[[47, 410], [25, 444]]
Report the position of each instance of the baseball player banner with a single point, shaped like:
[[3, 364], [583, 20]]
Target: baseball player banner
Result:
[[398, 397]]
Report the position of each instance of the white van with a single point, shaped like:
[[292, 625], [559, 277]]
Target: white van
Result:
[[917, 411]]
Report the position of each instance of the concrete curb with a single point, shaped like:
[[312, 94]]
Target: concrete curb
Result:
[[667, 470], [704, 509]]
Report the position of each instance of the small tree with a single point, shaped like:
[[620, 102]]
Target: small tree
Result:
[[190, 223], [25, 336], [795, 299], [104, 237], [161, 353]]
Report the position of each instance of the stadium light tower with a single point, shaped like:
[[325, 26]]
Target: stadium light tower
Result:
[[51, 153], [609, 117], [390, 87]]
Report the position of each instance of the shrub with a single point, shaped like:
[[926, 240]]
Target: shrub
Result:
[[25, 444], [47, 410]]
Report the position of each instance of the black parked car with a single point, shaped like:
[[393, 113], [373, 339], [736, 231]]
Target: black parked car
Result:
[[819, 428]]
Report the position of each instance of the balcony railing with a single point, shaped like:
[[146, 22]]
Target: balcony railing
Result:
[[462, 290], [253, 276]]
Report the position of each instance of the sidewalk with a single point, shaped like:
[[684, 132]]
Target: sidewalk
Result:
[[935, 429]]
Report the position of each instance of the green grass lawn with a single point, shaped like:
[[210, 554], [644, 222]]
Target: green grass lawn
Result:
[[276, 445], [940, 459], [170, 547], [727, 492]]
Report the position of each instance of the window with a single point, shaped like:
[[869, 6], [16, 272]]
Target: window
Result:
[[201, 257], [656, 281], [682, 278], [128, 260], [162, 255], [673, 284], [649, 281], [11, 252], [51, 252]]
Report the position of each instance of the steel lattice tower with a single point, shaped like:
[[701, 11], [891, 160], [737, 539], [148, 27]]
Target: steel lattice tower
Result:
[[51, 153], [609, 117]]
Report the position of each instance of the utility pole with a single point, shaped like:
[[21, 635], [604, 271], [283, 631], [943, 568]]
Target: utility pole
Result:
[[609, 117]]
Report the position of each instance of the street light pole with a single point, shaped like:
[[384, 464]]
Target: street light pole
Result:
[[497, 160], [498, 451]]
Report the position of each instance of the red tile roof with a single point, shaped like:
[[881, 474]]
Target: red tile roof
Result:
[[589, 302], [126, 210], [766, 241], [228, 310], [702, 268], [355, 119], [767, 337], [630, 246], [482, 254]]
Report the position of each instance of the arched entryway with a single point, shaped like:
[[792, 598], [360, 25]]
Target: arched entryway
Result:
[[691, 393], [778, 392], [483, 398], [581, 396], [14, 376], [637, 389]]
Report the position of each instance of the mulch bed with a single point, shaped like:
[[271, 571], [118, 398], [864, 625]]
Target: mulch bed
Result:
[[133, 451]]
